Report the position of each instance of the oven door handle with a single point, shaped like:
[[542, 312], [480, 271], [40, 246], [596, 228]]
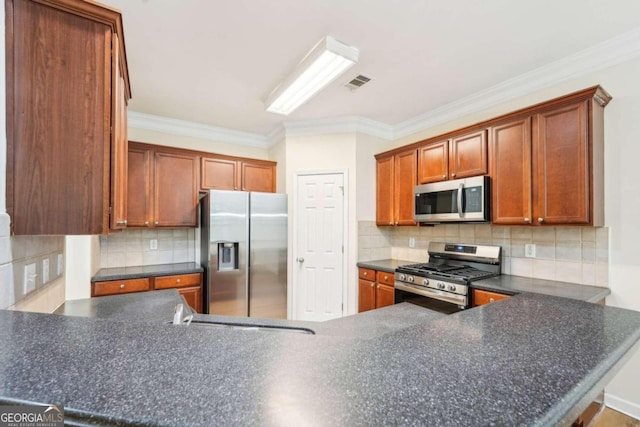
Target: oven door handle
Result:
[[460, 190], [432, 293]]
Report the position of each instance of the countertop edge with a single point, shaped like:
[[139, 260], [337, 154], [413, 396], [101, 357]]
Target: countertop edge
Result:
[[98, 277]]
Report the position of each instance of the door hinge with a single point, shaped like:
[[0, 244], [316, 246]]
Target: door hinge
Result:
[[342, 189], [342, 248]]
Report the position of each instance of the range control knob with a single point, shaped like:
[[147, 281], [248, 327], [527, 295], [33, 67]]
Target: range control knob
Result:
[[410, 279], [425, 282], [403, 277], [440, 285], [452, 288]]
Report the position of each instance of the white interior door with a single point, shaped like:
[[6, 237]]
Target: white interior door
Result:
[[319, 238]]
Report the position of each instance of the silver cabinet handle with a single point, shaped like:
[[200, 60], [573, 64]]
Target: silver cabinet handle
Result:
[[300, 260], [540, 219]]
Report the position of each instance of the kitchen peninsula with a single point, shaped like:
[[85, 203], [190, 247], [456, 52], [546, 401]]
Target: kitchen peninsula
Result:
[[528, 360]]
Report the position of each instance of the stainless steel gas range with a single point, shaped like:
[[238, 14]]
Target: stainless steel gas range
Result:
[[442, 284]]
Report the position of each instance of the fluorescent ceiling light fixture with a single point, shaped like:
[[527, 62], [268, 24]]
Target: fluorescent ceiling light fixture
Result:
[[322, 65]]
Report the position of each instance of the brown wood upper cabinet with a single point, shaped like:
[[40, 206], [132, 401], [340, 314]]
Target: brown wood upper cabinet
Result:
[[231, 173], [395, 184], [547, 167], [162, 187], [67, 93], [459, 157]]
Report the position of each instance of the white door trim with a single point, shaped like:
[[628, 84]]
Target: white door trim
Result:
[[294, 244]]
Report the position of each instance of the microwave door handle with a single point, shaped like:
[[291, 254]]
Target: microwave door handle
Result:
[[460, 190]]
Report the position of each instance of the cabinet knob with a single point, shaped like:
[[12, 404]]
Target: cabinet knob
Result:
[[453, 175], [156, 223], [527, 220], [366, 273], [146, 223], [378, 287], [372, 285], [121, 285], [444, 176], [492, 300], [396, 222], [235, 188], [177, 280], [386, 277], [540, 219]]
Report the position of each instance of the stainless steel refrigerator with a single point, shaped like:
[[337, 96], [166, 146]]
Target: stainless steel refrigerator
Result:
[[244, 253]]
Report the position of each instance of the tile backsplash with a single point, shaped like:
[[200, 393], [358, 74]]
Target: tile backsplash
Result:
[[133, 247], [568, 254]]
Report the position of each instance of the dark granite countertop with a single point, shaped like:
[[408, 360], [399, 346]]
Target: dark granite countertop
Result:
[[121, 273], [512, 285], [527, 360], [157, 306], [388, 265]]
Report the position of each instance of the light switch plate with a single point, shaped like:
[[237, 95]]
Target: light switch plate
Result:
[[59, 266], [153, 244], [530, 250], [29, 281], [412, 242], [45, 270]]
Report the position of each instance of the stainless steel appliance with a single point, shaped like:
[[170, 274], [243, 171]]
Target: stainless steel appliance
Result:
[[458, 200], [244, 253], [442, 284]]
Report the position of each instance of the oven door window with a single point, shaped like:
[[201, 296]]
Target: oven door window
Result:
[[426, 302]]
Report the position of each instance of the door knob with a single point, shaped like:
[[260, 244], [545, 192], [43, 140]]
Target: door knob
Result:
[[300, 260]]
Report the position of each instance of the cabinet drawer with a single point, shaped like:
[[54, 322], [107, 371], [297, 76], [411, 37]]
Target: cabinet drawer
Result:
[[384, 277], [367, 274], [180, 281], [480, 297], [113, 287]]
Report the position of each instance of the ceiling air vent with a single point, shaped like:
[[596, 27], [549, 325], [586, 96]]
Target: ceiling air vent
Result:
[[357, 82]]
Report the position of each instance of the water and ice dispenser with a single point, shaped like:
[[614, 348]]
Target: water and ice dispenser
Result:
[[227, 256]]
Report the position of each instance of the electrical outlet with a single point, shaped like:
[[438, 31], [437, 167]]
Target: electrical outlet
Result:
[[530, 250], [29, 280], [45, 270], [59, 266], [412, 242], [153, 244]]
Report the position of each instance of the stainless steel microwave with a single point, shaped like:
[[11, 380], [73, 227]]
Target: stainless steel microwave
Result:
[[458, 200]]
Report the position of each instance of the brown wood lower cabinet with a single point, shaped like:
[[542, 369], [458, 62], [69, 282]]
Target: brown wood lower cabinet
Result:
[[188, 285], [375, 289], [480, 297]]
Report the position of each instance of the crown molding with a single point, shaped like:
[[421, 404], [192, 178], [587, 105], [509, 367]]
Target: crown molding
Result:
[[606, 54], [339, 125], [195, 130], [603, 55]]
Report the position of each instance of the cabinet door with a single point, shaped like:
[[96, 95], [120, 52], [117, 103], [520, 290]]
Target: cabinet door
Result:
[[510, 160], [258, 176], [114, 287], [561, 166], [139, 194], [468, 155], [405, 173], [384, 191], [480, 297], [433, 162], [175, 190], [366, 295], [219, 174], [385, 295], [58, 121], [119, 142], [193, 297]]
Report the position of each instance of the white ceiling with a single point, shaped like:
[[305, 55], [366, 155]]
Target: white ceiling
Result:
[[214, 62]]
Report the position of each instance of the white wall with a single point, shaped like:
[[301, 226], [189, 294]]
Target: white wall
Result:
[[366, 147], [318, 153], [278, 153], [622, 186]]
